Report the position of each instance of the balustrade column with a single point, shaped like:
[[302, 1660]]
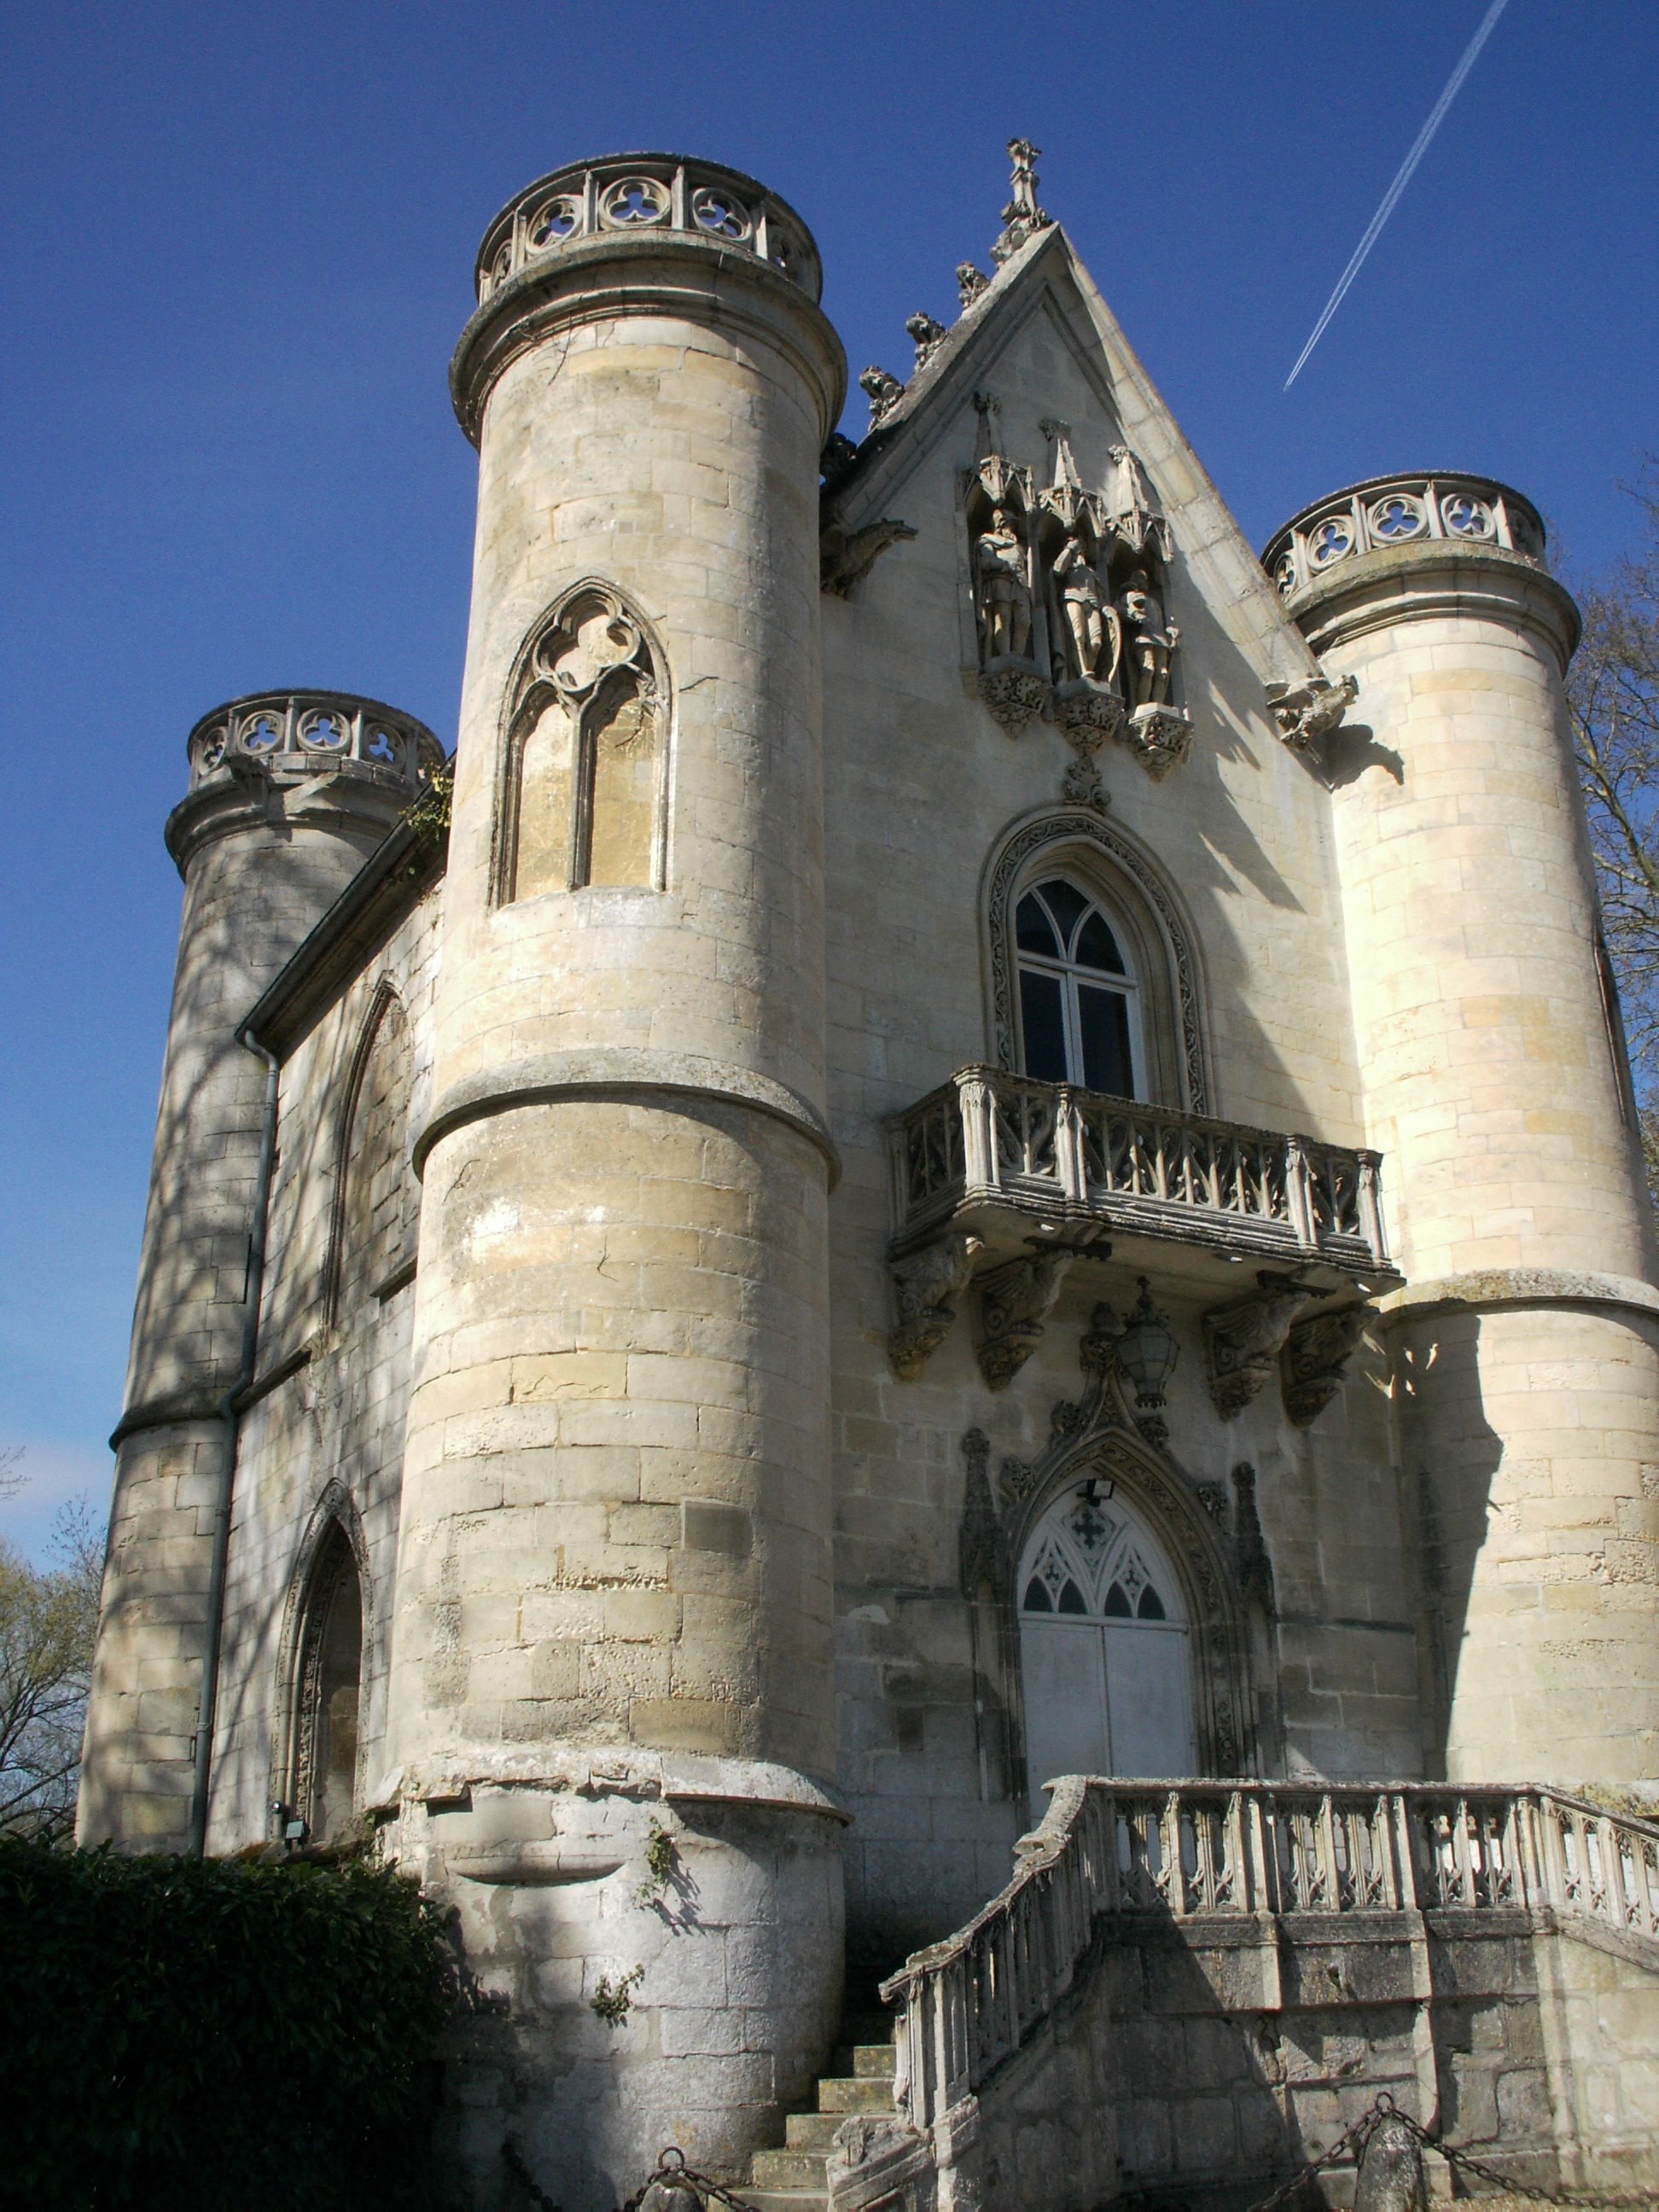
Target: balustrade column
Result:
[[1299, 1192], [976, 1101]]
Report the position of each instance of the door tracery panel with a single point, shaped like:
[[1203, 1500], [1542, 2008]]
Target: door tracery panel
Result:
[[1105, 1645]]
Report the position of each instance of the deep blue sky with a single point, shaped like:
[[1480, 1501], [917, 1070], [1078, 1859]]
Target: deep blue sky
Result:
[[238, 250]]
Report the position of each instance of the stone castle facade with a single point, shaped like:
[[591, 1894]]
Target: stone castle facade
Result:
[[987, 1139]]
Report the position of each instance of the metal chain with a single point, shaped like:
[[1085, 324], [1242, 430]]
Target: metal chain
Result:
[[670, 2169], [1385, 2108]]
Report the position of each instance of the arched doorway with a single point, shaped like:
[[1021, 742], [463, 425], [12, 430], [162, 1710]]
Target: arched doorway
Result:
[[329, 1692], [1105, 1644]]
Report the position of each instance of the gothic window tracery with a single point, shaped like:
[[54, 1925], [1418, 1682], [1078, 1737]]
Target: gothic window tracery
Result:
[[585, 754], [1078, 994]]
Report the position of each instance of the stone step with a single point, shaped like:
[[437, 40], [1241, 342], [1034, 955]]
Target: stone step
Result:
[[812, 2130], [870, 2058], [855, 2093], [784, 2200], [789, 2169]]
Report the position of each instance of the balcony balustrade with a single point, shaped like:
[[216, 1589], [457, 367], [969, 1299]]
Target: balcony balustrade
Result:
[[988, 1144]]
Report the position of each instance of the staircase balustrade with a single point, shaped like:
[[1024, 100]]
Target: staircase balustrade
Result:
[[1190, 1848]]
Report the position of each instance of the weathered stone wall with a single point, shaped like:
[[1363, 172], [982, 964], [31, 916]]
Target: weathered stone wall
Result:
[[324, 1441], [262, 862], [1203, 2062], [1526, 1347]]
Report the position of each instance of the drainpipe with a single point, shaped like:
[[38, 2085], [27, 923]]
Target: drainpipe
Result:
[[227, 1415]]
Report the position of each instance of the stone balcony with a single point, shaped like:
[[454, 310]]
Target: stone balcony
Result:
[[1001, 1182], [639, 196], [1008, 1156]]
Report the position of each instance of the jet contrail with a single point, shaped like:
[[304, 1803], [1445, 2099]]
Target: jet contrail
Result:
[[1420, 147]]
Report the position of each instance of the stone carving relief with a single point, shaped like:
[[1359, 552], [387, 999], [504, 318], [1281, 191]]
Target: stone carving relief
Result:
[[1022, 218], [884, 391], [583, 751], [927, 1284], [999, 504], [847, 557], [1311, 711], [1313, 1362], [927, 336], [1255, 1568], [1243, 1337], [1015, 1300], [1069, 591]]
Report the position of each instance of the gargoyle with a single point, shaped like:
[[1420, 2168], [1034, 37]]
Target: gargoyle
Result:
[[847, 557]]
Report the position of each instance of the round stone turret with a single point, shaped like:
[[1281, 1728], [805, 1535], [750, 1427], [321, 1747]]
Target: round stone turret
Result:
[[1525, 1344], [289, 793], [614, 1584]]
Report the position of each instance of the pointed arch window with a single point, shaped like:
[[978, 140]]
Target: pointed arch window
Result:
[[1079, 1011], [329, 1692], [377, 1199], [586, 794]]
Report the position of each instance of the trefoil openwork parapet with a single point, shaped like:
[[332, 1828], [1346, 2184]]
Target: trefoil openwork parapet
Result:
[[294, 733], [1388, 512], [633, 195], [989, 1143]]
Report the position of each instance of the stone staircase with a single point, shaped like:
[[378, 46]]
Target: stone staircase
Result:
[[793, 2180]]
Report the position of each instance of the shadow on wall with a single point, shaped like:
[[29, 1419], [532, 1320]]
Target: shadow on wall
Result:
[[1451, 1455]]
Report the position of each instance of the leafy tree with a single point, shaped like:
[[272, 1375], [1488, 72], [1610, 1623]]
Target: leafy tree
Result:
[[1612, 689], [47, 1621]]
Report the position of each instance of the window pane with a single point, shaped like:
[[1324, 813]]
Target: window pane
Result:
[[1151, 1605], [1036, 1598], [1117, 1604], [1071, 1599], [1045, 1030], [1066, 903], [1103, 1020], [1033, 929], [1097, 947]]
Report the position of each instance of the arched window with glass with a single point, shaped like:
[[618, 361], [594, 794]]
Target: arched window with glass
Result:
[[1078, 1012]]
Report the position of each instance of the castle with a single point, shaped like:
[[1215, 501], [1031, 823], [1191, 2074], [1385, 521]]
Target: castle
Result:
[[987, 1140]]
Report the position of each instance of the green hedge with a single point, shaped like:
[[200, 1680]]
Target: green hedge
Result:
[[220, 2035]]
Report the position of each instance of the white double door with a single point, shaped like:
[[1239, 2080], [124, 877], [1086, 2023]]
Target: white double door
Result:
[[1104, 1697]]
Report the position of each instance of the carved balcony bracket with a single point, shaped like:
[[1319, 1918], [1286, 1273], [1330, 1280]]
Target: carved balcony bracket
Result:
[[1015, 1300], [847, 557], [1160, 738], [1243, 1340], [927, 1284], [1313, 1362], [1311, 711]]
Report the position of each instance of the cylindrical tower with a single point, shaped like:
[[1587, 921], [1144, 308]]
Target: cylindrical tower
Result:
[[289, 792], [1526, 1344], [611, 1712]]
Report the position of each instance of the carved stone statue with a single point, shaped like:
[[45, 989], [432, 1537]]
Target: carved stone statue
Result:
[[1005, 597], [1149, 639], [1094, 635]]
